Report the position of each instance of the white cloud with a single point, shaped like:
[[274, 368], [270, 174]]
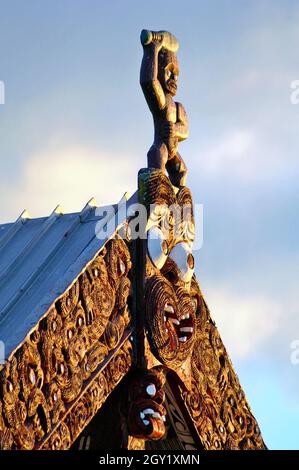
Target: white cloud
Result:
[[67, 176], [233, 152], [245, 322]]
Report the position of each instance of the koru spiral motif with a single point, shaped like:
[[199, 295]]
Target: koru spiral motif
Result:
[[57, 365], [179, 326]]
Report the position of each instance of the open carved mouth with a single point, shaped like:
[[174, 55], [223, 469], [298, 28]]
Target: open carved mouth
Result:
[[150, 413], [152, 417], [147, 418], [183, 326]]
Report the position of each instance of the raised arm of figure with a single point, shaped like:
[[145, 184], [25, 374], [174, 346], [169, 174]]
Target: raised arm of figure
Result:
[[149, 82]]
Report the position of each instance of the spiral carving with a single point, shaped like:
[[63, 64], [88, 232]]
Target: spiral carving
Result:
[[170, 321], [217, 402], [43, 383], [156, 188], [183, 336], [146, 404]]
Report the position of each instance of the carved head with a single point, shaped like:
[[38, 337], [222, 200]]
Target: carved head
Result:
[[146, 413], [168, 71]]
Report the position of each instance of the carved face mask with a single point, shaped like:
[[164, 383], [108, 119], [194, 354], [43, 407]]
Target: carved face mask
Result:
[[146, 414], [168, 72]]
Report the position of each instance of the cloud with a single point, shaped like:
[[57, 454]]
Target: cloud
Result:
[[246, 323], [234, 149], [68, 176]]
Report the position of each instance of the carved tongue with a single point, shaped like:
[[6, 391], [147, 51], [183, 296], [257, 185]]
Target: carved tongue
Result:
[[186, 329], [149, 412]]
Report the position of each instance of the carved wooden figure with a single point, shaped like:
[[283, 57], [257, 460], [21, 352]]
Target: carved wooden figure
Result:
[[158, 78]]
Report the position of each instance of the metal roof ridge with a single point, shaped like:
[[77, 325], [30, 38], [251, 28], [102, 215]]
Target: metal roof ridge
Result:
[[15, 263], [56, 213], [87, 209], [15, 227], [73, 271], [78, 266]]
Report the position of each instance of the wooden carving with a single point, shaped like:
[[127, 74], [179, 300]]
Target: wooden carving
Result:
[[216, 400], [158, 78], [87, 342], [146, 399], [180, 336], [65, 369]]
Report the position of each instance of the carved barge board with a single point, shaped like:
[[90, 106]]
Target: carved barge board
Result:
[[179, 336], [91, 399], [58, 378]]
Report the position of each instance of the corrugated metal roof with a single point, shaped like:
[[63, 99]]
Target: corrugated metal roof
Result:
[[39, 259]]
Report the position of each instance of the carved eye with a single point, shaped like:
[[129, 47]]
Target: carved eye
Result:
[[80, 321], [157, 246], [151, 390], [96, 272], [69, 334], [181, 254], [168, 73], [190, 261], [122, 266], [32, 376], [55, 396], [9, 386], [57, 444]]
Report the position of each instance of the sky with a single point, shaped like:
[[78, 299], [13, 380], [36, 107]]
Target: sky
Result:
[[75, 125]]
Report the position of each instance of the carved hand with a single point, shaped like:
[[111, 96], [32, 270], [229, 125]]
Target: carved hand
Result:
[[166, 39]]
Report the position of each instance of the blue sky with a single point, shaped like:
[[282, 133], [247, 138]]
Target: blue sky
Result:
[[75, 125]]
